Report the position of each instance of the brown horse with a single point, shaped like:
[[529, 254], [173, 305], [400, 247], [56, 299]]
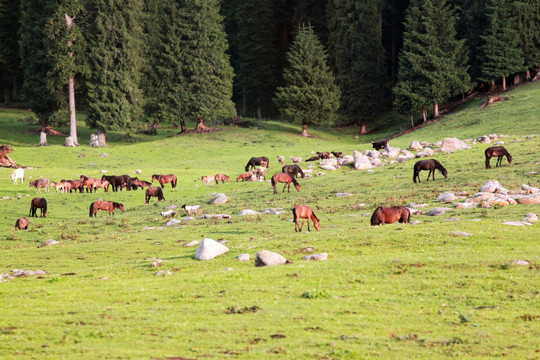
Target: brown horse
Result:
[[57, 186], [244, 177], [284, 178], [208, 180], [75, 184], [153, 191], [21, 224], [164, 179], [89, 183], [105, 205], [304, 212], [38, 203], [389, 215], [293, 170], [430, 165], [136, 182], [221, 177], [260, 161], [338, 154], [324, 155], [40, 183], [101, 184], [499, 152]]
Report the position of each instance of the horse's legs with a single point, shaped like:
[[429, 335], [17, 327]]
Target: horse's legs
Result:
[[499, 160], [488, 166], [428, 175]]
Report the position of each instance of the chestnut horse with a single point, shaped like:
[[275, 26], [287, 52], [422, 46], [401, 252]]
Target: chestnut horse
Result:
[[222, 178], [153, 191], [21, 224], [164, 179], [101, 184], [135, 182], [75, 184], [304, 212], [284, 178], [389, 215], [499, 152], [244, 177], [105, 205], [89, 183], [254, 161], [38, 203], [430, 165], [208, 180], [293, 170]]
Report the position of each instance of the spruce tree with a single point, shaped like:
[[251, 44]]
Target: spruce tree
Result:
[[502, 55], [310, 95], [10, 67], [114, 36], [355, 45], [433, 63], [527, 15]]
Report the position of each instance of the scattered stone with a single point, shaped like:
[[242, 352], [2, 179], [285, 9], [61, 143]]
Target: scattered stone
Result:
[[498, 143], [453, 219], [103, 171], [104, 155], [188, 218], [316, 257], [49, 242], [460, 233], [521, 262], [163, 273], [415, 146], [219, 199], [484, 139], [427, 152], [167, 214], [209, 249], [437, 211], [320, 174], [453, 144], [173, 222], [446, 196], [157, 263], [342, 194], [390, 152], [466, 205], [243, 257], [415, 222], [437, 144], [248, 212], [192, 243], [376, 163], [328, 167], [530, 217], [362, 162], [332, 161], [138, 171], [273, 211], [268, 258], [514, 223], [216, 216], [371, 153], [171, 207], [493, 186], [416, 206], [530, 199]]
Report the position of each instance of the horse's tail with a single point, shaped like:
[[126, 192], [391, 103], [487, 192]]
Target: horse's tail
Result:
[[273, 181], [160, 194], [91, 209], [294, 214], [174, 182], [375, 217], [44, 203]]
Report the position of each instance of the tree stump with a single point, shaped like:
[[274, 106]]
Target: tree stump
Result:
[[43, 139], [69, 142], [94, 141], [102, 138]]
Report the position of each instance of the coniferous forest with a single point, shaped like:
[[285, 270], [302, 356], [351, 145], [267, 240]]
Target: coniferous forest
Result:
[[315, 62]]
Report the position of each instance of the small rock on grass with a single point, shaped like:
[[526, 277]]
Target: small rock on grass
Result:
[[209, 249], [521, 262], [530, 217], [163, 273], [243, 257], [49, 242], [322, 256], [268, 258], [191, 243], [460, 233]]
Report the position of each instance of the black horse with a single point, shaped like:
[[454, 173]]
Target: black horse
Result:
[[38, 203], [381, 144], [255, 161], [499, 152], [430, 165], [118, 181], [293, 170]]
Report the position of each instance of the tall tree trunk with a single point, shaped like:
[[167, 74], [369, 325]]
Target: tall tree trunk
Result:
[[424, 115], [504, 83], [102, 138], [72, 117], [259, 112], [492, 83], [362, 125], [528, 74], [244, 102], [412, 121], [435, 111], [304, 130]]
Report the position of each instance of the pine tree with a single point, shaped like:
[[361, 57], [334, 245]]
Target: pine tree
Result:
[[433, 63], [114, 36], [355, 45], [502, 55], [527, 15], [10, 69], [310, 95]]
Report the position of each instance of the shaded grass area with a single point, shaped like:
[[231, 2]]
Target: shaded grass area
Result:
[[395, 291]]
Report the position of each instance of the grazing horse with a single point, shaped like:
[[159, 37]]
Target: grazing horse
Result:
[[21, 224], [118, 182], [430, 165], [135, 182], [259, 174], [105, 205], [38, 203], [304, 212], [58, 186], [244, 177], [101, 184], [499, 152], [293, 170], [324, 155], [389, 215], [40, 183], [338, 154], [74, 185], [284, 178], [222, 178], [208, 180], [163, 179], [89, 183], [254, 161], [17, 174], [381, 144], [314, 158], [153, 191]]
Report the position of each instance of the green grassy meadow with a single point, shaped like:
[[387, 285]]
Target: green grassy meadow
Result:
[[398, 291]]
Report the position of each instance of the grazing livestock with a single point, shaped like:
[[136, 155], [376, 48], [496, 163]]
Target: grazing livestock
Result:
[[257, 161], [324, 155], [21, 224], [155, 192], [304, 212], [284, 178], [314, 158], [430, 165], [164, 179], [281, 159], [57, 186], [221, 177], [17, 174], [381, 144], [296, 159], [38, 203], [389, 215], [118, 182], [338, 154], [192, 209], [208, 180], [259, 173], [105, 205], [89, 183], [73, 185], [499, 152], [40, 183], [293, 170], [136, 183], [244, 177]]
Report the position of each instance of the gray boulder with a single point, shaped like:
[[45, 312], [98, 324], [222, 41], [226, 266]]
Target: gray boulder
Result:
[[493, 186], [243, 257], [362, 162], [209, 249], [415, 146], [248, 212], [453, 144], [268, 258], [316, 257], [446, 196], [219, 199]]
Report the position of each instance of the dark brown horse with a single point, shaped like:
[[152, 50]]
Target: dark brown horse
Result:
[[38, 203], [293, 170], [118, 182], [499, 152], [430, 165], [153, 191], [381, 144], [164, 179], [304, 212], [222, 178], [21, 224], [338, 154], [284, 178], [324, 155], [257, 161], [105, 205], [389, 215]]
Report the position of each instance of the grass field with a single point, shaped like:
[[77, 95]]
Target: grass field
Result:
[[398, 291]]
